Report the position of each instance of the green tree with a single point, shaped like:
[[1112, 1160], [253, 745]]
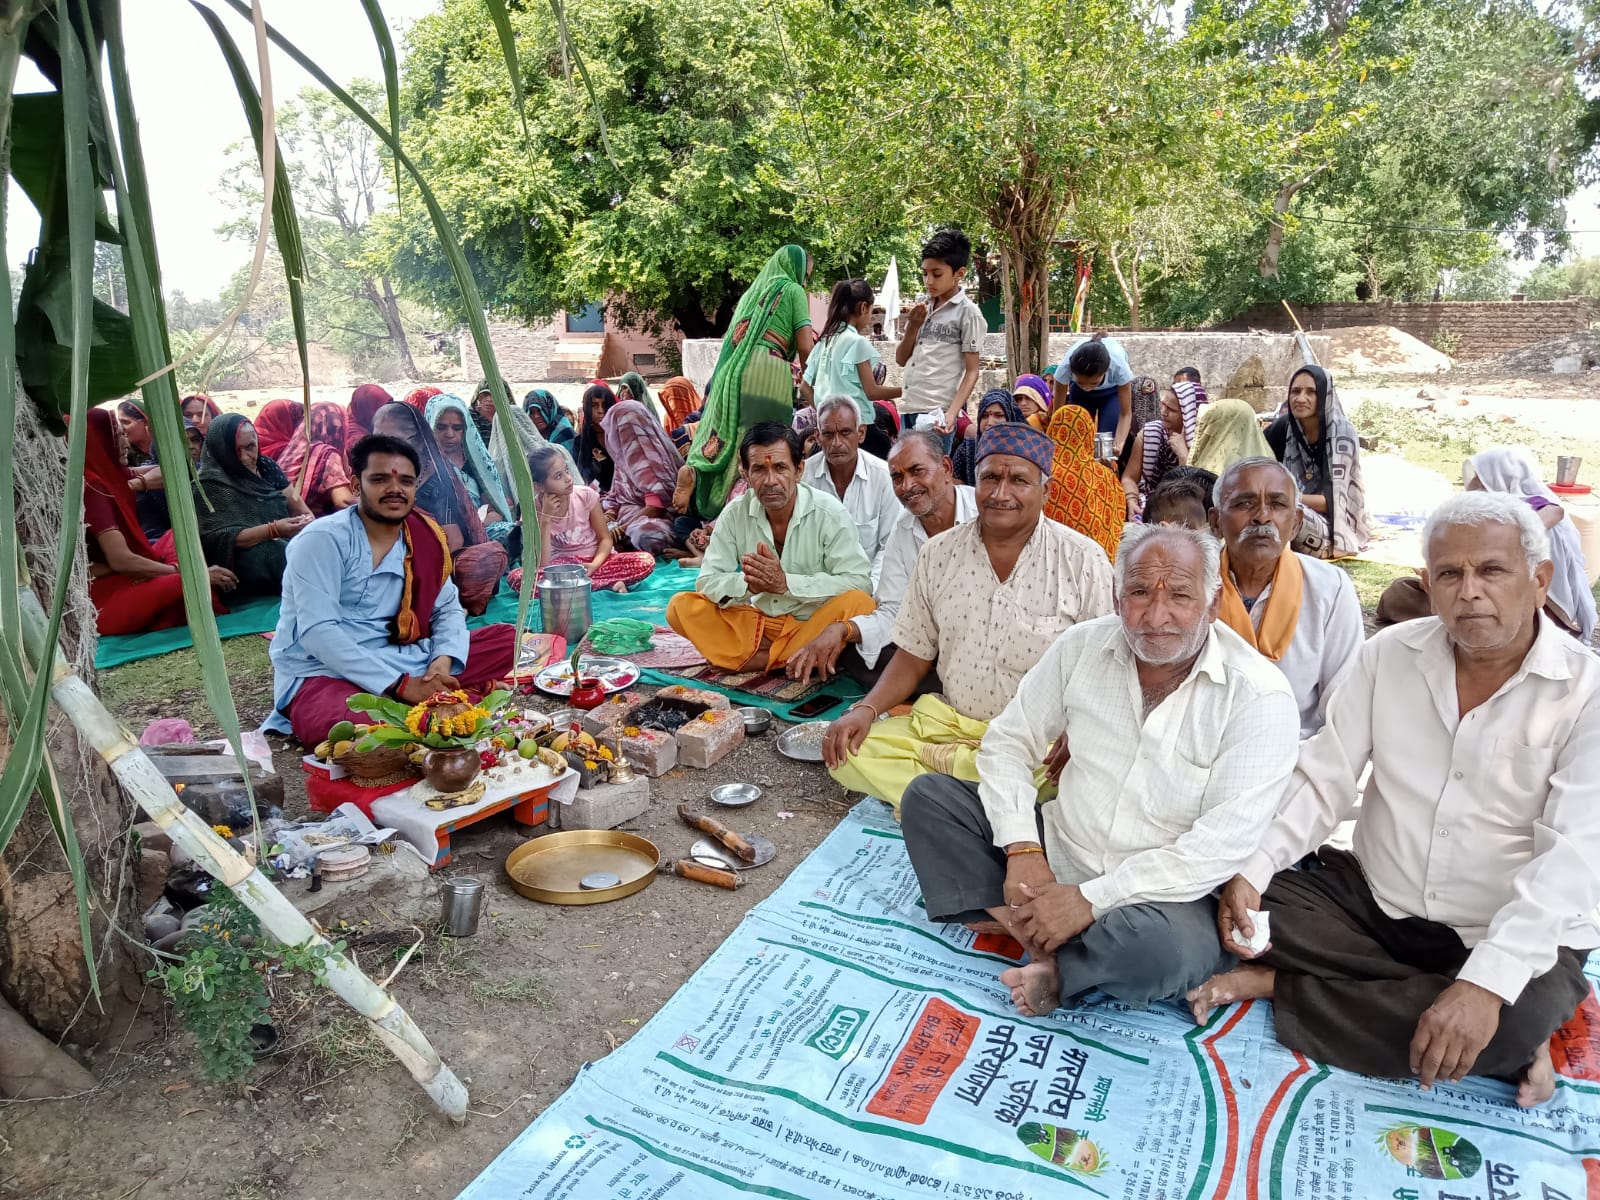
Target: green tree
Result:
[[341, 185], [1000, 118], [1494, 279], [664, 214]]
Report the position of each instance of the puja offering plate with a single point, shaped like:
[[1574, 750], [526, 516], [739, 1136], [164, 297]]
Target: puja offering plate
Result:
[[614, 674], [710, 852], [803, 743], [555, 868]]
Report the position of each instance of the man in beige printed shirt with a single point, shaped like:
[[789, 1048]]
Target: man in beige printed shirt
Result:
[[1452, 941]]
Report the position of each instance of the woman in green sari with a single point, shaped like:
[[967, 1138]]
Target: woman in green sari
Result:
[[753, 381]]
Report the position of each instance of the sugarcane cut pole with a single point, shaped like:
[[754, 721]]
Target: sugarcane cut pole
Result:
[[143, 782]]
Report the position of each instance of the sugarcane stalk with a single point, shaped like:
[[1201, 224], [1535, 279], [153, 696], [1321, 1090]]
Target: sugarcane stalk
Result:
[[142, 781]]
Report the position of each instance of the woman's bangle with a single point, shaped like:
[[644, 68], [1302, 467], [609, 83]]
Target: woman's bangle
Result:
[[863, 704], [1024, 850]]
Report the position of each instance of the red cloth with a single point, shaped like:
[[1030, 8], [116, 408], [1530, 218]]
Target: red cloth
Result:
[[321, 702], [276, 424], [623, 566], [124, 604], [323, 442], [427, 567], [324, 794], [418, 398], [365, 402], [106, 476]]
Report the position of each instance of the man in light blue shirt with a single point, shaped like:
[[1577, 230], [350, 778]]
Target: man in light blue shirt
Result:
[[369, 606]]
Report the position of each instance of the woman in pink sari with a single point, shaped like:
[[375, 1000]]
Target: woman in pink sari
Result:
[[645, 474], [327, 486]]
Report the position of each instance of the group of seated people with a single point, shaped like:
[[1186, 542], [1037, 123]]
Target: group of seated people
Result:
[[259, 481], [1205, 701]]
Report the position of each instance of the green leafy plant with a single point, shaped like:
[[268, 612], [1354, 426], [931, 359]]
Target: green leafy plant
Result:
[[443, 720], [219, 985], [1446, 341]]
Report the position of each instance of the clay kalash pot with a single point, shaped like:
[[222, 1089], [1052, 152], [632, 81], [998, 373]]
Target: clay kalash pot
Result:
[[451, 769], [587, 693]]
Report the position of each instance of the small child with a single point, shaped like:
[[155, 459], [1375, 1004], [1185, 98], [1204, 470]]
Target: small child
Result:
[[943, 335], [573, 528], [843, 362]]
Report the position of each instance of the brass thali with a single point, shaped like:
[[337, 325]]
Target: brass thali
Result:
[[549, 868]]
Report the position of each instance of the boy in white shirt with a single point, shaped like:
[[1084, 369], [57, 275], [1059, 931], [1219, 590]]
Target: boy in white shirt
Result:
[[940, 348]]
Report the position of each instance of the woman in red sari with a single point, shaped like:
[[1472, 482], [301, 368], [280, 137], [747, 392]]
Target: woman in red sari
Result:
[[132, 589], [275, 424], [327, 486], [365, 402]]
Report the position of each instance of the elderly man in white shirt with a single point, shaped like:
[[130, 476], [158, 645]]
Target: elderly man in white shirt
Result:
[[854, 478], [931, 502], [1452, 941], [1177, 739], [1299, 611]]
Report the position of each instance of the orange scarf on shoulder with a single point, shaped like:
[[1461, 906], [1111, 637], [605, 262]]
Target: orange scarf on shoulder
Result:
[[428, 567], [1282, 614]]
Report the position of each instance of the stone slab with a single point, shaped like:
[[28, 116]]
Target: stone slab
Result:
[[707, 740], [606, 805]]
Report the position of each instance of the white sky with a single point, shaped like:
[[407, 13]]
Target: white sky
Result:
[[189, 114]]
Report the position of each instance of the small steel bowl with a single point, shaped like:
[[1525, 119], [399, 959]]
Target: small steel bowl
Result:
[[756, 720], [735, 795]]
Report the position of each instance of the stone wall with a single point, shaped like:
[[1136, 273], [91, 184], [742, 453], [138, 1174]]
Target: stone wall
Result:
[[1249, 366], [1480, 329], [523, 351]]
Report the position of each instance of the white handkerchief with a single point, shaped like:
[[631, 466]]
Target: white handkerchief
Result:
[[1263, 923]]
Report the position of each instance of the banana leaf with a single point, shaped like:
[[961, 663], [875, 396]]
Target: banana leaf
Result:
[[508, 47], [391, 78]]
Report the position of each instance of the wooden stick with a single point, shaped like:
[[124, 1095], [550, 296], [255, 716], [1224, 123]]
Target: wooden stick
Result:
[[709, 824]]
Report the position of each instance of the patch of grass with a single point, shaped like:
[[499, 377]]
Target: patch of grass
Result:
[[169, 686], [519, 989], [1441, 441], [1370, 579], [346, 1041], [254, 1186]]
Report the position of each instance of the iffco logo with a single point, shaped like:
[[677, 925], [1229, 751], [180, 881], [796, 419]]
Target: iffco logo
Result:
[[838, 1031]]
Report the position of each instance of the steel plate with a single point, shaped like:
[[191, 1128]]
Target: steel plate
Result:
[[803, 743], [705, 850]]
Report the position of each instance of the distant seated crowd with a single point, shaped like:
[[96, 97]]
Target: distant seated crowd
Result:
[[1114, 690]]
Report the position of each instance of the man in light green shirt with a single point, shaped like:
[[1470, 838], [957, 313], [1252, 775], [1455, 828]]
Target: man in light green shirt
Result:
[[784, 563]]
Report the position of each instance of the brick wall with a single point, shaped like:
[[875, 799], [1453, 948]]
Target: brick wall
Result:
[[1482, 329]]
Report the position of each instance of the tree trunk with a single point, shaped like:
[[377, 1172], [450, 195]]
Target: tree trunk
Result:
[[1025, 216], [389, 310], [42, 970], [1267, 264], [1129, 283]]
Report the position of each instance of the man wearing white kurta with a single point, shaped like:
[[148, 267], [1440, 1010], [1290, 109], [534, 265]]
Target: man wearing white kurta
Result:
[[1177, 738], [853, 477], [931, 501], [1452, 941], [1300, 612]]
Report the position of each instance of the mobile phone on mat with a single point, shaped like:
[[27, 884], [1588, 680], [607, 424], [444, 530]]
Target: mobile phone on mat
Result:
[[814, 707]]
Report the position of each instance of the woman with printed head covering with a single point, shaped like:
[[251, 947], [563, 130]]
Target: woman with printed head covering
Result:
[[753, 382], [681, 400], [633, 387], [451, 421], [319, 448], [996, 408], [1032, 396], [480, 561], [594, 461], [1315, 440], [248, 510], [1083, 493], [646, 474], [1161, 444], [551, 422], [276, 423], [1225, 432]]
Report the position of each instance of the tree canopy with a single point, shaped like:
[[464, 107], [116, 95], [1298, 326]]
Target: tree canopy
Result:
[[666, 212]]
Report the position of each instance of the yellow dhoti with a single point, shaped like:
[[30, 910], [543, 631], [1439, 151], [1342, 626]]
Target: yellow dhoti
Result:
[[729, 637], [931, 737]]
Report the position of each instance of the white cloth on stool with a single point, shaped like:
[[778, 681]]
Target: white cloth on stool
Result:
[[419, 825]]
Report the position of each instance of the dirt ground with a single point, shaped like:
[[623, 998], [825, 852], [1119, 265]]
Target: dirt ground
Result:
[[516, 1011]]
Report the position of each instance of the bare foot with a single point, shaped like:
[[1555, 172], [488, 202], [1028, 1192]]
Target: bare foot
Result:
[[987, 927], [1035, 988], [1539, 1084], [1252, 981]]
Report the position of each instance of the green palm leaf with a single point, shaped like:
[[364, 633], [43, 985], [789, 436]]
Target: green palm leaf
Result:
[[391, 78], [508, 47]]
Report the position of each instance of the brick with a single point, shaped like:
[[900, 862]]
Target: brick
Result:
[[651, 752], [709, 739], [606, 805], [714, 700], [608, 716]]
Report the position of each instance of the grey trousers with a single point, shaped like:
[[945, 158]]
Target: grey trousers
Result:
[[1135, 954]]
